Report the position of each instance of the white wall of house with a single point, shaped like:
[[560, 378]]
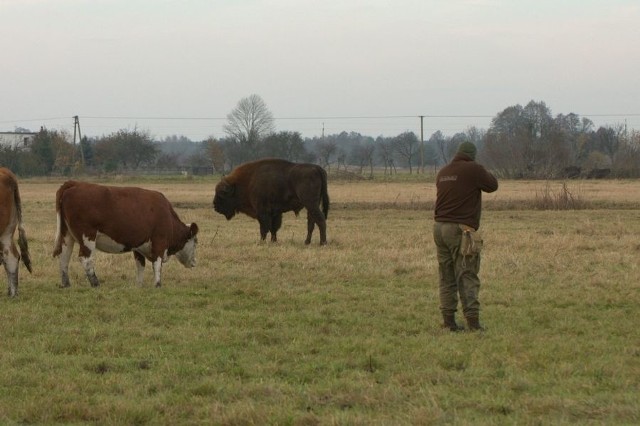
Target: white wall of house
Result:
[[16, 140]]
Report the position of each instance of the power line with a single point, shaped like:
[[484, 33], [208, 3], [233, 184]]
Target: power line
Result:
[[34, 119], [319, 117], [610, 115], [151, 118], [334, 117]]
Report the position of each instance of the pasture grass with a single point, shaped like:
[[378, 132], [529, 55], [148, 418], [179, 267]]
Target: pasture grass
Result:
[[349, 333]]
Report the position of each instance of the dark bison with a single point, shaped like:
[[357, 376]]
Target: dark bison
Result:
[[264, 189], [118, 220], [10, 219], [571, 172], [598, 173]]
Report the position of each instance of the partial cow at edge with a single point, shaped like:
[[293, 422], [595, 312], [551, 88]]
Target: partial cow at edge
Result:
[[10, 219], [118, 220], [267, 188]]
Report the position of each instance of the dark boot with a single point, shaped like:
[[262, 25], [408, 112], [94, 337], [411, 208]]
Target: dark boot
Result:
[[450, 323], [473, 322]]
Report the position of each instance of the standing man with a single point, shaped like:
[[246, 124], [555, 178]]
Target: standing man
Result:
[[457, 218]]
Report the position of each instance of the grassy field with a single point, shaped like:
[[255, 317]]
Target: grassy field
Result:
[[349, 333]]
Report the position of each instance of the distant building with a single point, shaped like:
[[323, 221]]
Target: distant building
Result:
[[16, 140]]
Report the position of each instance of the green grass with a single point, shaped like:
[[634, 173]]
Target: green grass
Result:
[[344, 334]]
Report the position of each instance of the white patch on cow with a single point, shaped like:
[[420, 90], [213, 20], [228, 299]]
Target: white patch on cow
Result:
[[87, 262], [157, 271], [65, 257], [187, 255], [106, 244], [144, 249], [10, 261], [58, 227], [5, 238]]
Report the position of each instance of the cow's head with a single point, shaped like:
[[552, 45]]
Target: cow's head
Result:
[[224, 200], [187, 254]]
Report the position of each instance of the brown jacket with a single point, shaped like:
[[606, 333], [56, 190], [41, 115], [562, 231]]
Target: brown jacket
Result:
[[459, 191]]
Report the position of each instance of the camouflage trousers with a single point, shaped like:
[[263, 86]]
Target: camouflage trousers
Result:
[[458, 274]]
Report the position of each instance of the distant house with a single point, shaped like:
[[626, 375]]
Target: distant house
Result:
[[16, 140]]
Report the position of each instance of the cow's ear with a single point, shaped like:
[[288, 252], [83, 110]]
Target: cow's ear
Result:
[[194, 230]]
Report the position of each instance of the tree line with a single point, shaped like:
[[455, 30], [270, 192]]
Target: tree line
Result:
[[521, 142]]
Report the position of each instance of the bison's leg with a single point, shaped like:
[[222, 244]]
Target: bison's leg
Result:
[[10, 259], [276, 223], [157, 271], [65, 257], [310, 225], [265, 225], [87, 247], [315, 216], [140, 261], [322, 225]]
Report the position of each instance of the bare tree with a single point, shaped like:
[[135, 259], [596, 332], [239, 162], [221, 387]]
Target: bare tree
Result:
[[341, 158], [406, 145], [362, 155], [248, 123], [286, 145], [609, 140], [443, 146], [128, 149], [523, 142], [385, 152], [216, 154], [627, 163], [325, 150]]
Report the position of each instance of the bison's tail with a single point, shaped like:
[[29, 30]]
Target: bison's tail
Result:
[[61, 228], [22, 234], [324, 193]]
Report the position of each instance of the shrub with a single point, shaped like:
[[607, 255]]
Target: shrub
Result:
[[561, 199]]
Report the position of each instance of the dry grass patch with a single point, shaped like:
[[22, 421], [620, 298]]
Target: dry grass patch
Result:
[[343, 334]]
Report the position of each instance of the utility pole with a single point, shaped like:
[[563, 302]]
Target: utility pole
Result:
[[626, 135], [422, 144], [76, 125]]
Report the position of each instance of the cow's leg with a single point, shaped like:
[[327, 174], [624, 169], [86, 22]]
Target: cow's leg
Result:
[[11, 258], [65, 258], [87, 247], [265, 224], [140, 261], [157, 271], [276, 223]]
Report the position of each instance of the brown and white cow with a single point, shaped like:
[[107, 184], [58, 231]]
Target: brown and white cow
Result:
[[10, 219], [118, 220]]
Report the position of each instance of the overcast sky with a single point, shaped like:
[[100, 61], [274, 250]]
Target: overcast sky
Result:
[[314, 62]]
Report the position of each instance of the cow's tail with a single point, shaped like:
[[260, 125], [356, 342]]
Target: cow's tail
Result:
[[324, 193], [61, 225], [22, 234]]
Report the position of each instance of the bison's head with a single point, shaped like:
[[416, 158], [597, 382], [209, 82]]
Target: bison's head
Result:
[[224, 199]]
